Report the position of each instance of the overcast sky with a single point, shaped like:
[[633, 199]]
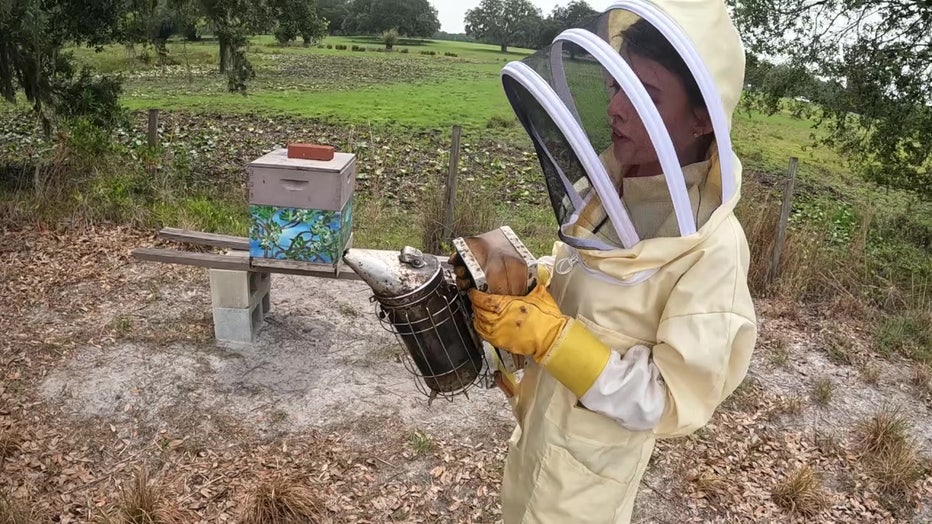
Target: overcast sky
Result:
[[452, 12]]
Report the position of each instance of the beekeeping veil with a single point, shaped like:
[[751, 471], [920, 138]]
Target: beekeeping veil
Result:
[[593, 112]]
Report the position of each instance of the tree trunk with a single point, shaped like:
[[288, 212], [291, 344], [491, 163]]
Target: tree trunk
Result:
[[504, 48], [224, 52]]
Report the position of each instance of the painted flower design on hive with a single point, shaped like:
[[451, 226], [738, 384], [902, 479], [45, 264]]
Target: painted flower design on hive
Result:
[[308, 235]]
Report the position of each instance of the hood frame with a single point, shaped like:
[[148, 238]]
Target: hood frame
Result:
[[578, 141], [707, 85]]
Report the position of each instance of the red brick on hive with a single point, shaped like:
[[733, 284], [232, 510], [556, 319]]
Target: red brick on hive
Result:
[[311, 152]]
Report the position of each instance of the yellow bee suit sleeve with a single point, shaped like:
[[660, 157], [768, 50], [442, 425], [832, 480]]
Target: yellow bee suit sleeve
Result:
[[705, 338]]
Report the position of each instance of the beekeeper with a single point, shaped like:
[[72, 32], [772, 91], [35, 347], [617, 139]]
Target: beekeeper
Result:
[[643, 323]]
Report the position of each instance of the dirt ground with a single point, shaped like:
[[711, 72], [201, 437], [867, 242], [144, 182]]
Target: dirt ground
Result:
[[110, 366]]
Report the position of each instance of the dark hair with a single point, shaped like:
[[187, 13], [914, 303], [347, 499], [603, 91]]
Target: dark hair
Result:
[[645, 40]]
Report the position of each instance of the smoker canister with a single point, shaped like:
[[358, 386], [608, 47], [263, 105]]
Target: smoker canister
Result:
[[418, 301]]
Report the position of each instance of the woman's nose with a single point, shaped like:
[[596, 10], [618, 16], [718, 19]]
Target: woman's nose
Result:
[[619, 106]]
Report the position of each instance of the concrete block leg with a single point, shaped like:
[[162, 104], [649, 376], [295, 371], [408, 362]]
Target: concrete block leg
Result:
[[241, 300], [238, 289]]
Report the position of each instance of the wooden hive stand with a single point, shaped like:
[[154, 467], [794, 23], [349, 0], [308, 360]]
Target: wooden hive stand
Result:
[[240, 286]]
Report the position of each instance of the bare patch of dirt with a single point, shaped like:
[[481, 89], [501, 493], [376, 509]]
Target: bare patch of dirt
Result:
[[109, 367]]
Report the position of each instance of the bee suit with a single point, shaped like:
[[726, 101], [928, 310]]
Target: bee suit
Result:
[[655, 325]]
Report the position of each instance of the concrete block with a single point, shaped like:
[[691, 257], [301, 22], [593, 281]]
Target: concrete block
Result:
[[238, 289], [238, 324]]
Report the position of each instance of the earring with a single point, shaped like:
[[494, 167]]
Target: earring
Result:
[[695, 134]]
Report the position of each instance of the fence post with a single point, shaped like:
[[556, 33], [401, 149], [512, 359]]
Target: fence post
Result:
[[153, 136], [774, 272], [153, 127], [449, 201]]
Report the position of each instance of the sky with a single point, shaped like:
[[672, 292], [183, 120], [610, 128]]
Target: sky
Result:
[[452, 12]]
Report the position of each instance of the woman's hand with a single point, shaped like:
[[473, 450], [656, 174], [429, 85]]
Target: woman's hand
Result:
[[505, 270], [527, 325]]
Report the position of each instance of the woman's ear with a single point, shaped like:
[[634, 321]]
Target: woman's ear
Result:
[[702, 124]]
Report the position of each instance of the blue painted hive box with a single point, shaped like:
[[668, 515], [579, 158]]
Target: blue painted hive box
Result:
[[302, 210]]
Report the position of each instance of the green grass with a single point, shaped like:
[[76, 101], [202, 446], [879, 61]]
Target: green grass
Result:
[[907, 334], [442, 91]]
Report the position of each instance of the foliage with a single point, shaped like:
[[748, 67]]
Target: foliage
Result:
[[408, 17], [94, 98], [335, 12], [503, 22], [873, 61], [32, 34], [233, 21], [298, 18], [390, 38], [574, 14], [908, 334]]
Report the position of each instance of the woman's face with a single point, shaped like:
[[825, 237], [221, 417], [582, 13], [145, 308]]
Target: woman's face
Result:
[[686, 125]]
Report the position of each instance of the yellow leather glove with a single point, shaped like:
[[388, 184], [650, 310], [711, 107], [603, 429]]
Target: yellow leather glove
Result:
[[533, 325]]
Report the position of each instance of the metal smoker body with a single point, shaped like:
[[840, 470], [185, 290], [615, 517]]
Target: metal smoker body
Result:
[[417, 299]]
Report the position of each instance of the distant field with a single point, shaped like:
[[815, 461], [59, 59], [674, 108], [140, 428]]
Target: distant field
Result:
[[407, 89]]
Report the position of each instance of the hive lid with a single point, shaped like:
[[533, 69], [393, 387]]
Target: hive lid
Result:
[[278, 159]]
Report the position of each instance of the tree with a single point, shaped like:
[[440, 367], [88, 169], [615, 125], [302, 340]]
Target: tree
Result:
[[32, 35], [334, 12], [233, 21], [298, 18], [575, 14], [503, 22], [409, 17], [151, 22], [874, 62]]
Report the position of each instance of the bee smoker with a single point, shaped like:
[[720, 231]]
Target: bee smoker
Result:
[[417, 299]]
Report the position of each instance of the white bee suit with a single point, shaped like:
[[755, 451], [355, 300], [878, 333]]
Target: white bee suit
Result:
[[659, 274]]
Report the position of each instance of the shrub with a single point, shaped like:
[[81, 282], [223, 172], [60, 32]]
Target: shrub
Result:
[[390, 38], [454, 55], [889, 454], [329, 46], [801, 492], [285, 34], [429, 53], [908, 333], [474, 213], [341, 47], [404, 51], [500, 122], [282, 500], [144, 502]]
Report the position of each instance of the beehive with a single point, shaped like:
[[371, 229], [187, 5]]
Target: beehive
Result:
[[301, 209]]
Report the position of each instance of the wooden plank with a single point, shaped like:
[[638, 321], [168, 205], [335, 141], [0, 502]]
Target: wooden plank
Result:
[[240, 261], [774, 272], [204, 239], [293, 267], [211, 260]]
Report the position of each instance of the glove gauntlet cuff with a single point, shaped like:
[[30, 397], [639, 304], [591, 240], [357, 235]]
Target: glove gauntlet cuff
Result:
[[576, 358]]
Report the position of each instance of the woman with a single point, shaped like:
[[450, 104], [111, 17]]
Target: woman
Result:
[[642, 323]]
